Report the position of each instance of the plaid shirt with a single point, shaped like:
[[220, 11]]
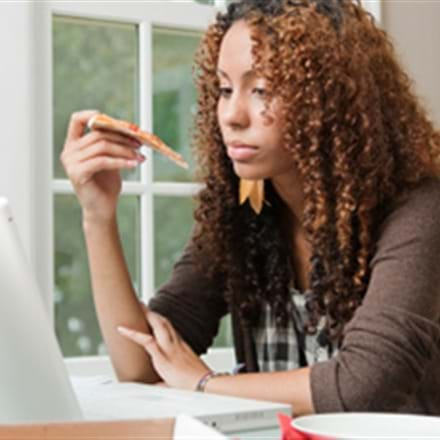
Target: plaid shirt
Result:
[[278, 348]]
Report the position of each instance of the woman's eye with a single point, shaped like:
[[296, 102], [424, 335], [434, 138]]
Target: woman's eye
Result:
[[259, 91], [225, 91]]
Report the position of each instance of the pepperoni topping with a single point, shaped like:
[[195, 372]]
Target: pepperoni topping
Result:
[[133, 127]]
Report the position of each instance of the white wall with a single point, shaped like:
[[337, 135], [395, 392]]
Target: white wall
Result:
[[415, 29], [16, 111]]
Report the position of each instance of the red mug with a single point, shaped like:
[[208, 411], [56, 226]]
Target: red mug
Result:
[[349, 426], [290, 432]]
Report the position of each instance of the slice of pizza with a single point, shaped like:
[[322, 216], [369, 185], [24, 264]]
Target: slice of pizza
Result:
[[104, 122]]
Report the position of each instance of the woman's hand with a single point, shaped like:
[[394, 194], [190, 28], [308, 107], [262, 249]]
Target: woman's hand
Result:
[[93, 163], [172, 358]]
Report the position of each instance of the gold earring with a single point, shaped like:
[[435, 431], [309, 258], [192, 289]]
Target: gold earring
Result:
[[254, 191]]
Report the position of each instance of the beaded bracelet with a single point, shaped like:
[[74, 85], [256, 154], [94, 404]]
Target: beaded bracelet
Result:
[[201, 385]]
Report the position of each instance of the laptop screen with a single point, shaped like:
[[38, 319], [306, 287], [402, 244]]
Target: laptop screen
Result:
[[33, 379]]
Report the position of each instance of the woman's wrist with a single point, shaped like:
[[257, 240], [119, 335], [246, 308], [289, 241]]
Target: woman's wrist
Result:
[[203, 381], [93, 221]]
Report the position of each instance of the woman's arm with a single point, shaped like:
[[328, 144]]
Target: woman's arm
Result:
[[390, 354], [93, 162], [116, 302], [291, 387]]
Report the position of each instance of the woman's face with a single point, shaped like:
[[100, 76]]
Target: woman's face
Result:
[[253, 136]]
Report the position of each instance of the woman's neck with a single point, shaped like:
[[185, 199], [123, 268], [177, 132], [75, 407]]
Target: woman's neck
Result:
[[289, 190]]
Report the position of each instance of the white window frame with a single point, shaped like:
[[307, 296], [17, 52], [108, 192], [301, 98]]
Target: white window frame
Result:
[[185, 15], [375, 7]]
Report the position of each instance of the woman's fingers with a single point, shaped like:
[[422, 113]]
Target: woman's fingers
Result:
[[84, 171], [99, 142], [104, 141], [179, 366], [163, 331], [97, 152], [96, 136], [138, 337], [165, 336], [106, 148], [77, 124], [144, 340]]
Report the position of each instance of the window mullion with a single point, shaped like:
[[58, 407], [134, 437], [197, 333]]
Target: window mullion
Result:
[[43, 202], [176, 189], [146, 120]]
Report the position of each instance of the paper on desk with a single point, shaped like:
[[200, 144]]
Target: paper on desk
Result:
[[187, 427], [88, 382]]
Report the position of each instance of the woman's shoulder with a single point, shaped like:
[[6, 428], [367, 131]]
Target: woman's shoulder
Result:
[[426, 192], [404, 263], [413, 222], [417, 212]]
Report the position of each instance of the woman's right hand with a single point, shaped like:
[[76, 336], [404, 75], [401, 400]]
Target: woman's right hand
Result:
[[93, 163]]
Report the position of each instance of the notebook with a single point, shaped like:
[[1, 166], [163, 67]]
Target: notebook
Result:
[[35, 385]]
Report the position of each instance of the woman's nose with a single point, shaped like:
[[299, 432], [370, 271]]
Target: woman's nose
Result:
[[235, 113]]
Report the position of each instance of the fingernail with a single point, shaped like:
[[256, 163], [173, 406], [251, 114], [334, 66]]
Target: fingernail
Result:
[[123, 330], [140, 157], [135, 142]]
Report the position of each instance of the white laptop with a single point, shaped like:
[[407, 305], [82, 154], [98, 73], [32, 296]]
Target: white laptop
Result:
[[35, 386]]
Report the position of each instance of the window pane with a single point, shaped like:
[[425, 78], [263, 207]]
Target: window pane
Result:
[[174, 100], [224, 336], [75, 319], [95, 67], [173, 220]]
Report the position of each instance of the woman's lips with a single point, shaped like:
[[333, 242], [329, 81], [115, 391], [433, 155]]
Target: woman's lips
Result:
[[241, 152]]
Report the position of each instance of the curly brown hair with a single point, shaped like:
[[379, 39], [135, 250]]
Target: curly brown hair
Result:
[[359, 138]]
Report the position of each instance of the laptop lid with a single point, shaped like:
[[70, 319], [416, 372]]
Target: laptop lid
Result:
[[34, 385]]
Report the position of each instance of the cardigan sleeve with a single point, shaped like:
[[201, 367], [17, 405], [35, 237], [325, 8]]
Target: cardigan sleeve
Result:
[[395, 333], [192, 302]]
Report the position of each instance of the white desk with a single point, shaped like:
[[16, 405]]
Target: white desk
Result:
[[102, 398]]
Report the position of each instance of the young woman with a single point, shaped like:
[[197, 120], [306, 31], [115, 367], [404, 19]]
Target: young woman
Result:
[[333, 282]]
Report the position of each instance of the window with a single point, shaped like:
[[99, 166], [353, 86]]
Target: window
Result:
[[132, 62]]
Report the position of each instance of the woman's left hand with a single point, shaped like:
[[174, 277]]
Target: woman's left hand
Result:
[[172, 358]]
